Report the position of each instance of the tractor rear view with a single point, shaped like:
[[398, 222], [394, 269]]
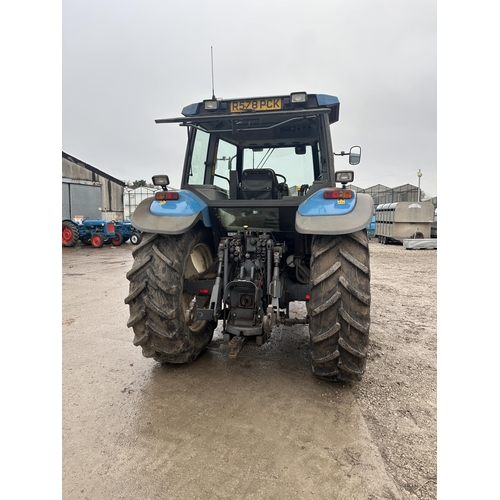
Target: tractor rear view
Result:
[[261, 220]]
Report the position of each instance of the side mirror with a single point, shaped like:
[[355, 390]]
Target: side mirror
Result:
[[161, 180], [355, 155]]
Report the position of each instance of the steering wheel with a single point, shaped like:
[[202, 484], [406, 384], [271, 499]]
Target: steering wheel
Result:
[[279, 175]]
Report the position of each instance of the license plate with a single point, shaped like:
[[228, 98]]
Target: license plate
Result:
[[341, 202], [269, 104]]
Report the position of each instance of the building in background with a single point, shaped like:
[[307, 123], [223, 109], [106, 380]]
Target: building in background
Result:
[[382, 194], [88, 192]]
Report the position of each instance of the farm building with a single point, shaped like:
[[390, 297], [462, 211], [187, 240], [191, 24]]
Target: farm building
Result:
[[89, 192]]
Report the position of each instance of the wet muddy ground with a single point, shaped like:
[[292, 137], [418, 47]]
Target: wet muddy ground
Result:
[[260, 426]]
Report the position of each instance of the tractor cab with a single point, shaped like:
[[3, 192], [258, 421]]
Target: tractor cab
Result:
[[259, 148]]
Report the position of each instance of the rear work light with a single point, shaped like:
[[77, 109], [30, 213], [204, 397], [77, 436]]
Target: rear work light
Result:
[[337, 194], [296, 97], [211, 105], [166, 195], [344, 176], [161, 180]]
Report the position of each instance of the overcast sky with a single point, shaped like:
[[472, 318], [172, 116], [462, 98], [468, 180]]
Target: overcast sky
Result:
[[128, 62]]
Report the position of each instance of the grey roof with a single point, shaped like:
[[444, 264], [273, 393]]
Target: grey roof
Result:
[[92, 169]]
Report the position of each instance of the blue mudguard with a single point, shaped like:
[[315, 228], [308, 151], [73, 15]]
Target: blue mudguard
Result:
[[318, 215], [171, 216]]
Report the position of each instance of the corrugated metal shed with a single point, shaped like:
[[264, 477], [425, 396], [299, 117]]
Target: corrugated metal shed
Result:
[[90, 192]]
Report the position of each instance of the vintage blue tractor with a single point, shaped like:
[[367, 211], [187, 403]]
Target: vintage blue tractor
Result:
[[128, 231], [97, 232]]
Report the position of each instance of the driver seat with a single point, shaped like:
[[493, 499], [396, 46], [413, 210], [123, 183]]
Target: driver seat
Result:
[[259, 184]]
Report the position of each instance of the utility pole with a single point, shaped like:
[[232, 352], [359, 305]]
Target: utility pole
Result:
[[419, 174]]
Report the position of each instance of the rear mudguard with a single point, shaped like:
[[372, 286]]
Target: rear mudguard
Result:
[[314, 216], [172, 216], [317, 215]]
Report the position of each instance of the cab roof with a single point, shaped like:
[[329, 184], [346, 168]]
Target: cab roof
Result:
[[292, 104]]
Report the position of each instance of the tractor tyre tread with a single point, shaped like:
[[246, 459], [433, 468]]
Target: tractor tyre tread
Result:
[[156, 300], [339, 307], [71, 226]]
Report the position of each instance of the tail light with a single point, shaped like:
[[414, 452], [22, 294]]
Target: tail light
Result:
[[336, 194], [166, 195]]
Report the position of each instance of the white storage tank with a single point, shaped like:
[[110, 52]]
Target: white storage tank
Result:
[[403, 220]]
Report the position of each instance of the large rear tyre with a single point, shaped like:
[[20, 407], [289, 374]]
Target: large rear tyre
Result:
[[70, 234], [156, 300], [339, 307]]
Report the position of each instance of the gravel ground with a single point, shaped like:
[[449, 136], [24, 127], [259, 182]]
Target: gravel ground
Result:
[[398, 394], [388, 421]]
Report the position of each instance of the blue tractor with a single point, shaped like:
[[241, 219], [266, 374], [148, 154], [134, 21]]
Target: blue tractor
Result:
[[128, 231], [97, 232], [262, 219]]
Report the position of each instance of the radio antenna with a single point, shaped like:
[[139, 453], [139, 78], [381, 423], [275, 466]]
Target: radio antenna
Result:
[[212, 57]]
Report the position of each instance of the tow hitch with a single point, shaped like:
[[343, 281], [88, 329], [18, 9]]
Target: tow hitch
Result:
[[236, 345]]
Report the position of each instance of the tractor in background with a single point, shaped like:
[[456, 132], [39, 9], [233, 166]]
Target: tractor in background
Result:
[[97, 232]]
